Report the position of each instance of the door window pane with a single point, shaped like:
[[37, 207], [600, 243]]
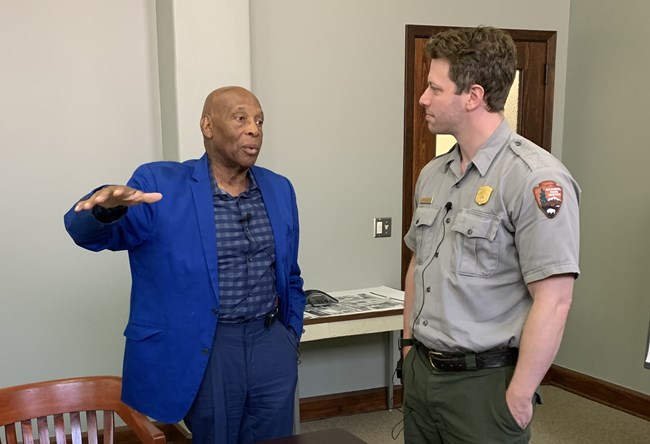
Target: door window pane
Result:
[[511, 110]]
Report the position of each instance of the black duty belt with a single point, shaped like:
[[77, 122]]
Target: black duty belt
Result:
[[456, 362]]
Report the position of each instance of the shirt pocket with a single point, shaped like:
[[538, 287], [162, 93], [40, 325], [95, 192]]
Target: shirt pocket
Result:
[[423, 220], [477, 245]]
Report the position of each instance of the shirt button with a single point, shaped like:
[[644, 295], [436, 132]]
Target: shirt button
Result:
[[470, 231], [457, 185], [205, 351], [250, 259], [428, 289], [215, 311], [417, 221], [448, 220], [425, 323]]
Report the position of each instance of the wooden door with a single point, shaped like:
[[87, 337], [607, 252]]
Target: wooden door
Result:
[[536, 68]]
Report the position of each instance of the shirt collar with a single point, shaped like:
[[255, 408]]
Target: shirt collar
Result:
[[488, 151]]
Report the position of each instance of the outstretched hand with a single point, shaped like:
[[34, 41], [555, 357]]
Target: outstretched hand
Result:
[[115, 196]]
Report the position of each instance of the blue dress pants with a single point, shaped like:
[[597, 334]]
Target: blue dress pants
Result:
[[247, 392]]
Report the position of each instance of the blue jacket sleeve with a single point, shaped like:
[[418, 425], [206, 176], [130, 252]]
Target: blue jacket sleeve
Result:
[[125, 232]]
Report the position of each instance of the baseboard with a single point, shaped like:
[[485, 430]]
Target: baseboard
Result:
[[364, 401], [621, 398], [372, 400], [350, 403]]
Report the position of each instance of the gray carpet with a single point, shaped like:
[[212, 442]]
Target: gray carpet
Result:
[[564, 418]]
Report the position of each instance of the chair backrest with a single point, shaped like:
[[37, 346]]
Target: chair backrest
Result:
[[70, 398]]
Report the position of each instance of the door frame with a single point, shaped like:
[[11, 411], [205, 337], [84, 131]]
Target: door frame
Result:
[[535, 117]]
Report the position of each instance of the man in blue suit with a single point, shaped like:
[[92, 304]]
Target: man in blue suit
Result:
[[213, 248]]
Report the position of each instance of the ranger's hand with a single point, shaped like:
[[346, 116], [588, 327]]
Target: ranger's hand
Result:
[[521, 409], [115, 196]]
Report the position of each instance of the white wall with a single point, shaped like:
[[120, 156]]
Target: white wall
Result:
[[79, 107], [606, 147], [202, 45], [330, 76]]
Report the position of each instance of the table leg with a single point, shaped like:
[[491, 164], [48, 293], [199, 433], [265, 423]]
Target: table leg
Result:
[[391, 361], [296, 412]]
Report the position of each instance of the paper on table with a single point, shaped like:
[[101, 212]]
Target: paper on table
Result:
[[388, 292], [362, 302]]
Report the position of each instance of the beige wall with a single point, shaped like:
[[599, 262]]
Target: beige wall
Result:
[[606, 147]]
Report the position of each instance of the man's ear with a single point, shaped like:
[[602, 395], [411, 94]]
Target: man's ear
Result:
[[206, 126], [475, 97]]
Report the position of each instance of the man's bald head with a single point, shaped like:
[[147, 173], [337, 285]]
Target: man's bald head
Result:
[[219, 97]]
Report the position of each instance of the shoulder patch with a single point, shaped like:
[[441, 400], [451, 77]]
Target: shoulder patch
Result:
[[548, 196]]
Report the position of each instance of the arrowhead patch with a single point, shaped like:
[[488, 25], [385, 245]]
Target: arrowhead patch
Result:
[[548, 196]]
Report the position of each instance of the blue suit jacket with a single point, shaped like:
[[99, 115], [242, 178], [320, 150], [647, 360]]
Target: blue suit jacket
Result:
[[175, 284]]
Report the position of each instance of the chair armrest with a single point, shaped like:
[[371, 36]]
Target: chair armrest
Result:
[[144, 429]]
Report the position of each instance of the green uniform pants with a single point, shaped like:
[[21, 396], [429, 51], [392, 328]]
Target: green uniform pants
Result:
[[467, 407]]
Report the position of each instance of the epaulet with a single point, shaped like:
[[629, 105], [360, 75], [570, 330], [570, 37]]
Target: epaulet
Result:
[[531, 154]]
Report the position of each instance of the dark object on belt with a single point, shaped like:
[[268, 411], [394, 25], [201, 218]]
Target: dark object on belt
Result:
[[270, 317], [398, 368], [457, 362]]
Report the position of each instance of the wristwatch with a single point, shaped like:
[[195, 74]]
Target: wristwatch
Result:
[[405, 342]]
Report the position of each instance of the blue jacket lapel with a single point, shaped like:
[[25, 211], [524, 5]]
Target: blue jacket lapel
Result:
[[275, 207], [202, 194]]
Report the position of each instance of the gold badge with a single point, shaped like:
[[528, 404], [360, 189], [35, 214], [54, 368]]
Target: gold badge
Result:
[[483, 195], [426, 200]]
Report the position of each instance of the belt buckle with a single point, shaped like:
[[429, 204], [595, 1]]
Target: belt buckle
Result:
[[434, 353]]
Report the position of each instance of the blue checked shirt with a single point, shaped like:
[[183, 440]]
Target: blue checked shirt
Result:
[[246, 254]]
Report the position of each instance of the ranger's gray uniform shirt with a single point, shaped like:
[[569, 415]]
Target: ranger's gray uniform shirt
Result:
[[513, 220]]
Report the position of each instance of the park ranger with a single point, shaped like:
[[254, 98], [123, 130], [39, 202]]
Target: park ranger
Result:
[[495, 239]]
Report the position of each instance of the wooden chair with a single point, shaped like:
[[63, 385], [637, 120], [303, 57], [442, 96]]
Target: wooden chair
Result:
[[20, 404]]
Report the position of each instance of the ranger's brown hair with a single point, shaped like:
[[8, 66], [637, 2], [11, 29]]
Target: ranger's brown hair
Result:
[[484, 56]]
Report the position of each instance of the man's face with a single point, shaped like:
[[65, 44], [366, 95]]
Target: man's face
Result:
[[443, 107], [236, 120]]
